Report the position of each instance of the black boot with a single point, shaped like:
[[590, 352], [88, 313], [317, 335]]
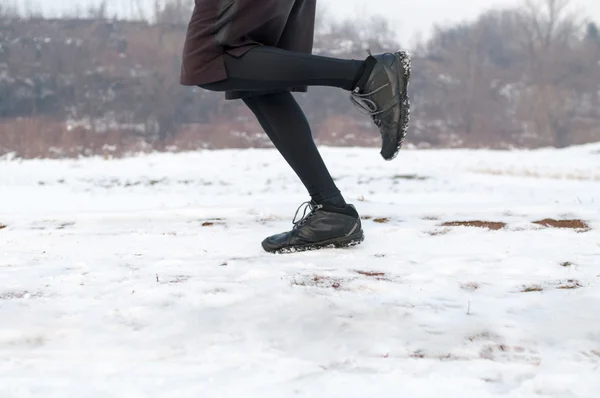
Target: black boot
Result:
[[323, 226], [382, 94]]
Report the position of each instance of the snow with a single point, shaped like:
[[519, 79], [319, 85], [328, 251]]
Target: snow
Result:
[[144, 277]]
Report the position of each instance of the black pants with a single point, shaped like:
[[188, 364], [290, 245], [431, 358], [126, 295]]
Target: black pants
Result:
[[272, 69]]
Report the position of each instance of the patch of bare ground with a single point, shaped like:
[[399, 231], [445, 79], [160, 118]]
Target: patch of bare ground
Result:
[[485, 336], [439, 232], [380, 276], [409, 177], [179, 279], [381, 220], [366, 217], [532, 288], [319, 281], [569, 284], [52, 224], [495, 226], [579, 225], [503, 352], [269, 218], [21, 294], [65, 225], [2, 226], [470, 286], [212, 222], [442, 357]]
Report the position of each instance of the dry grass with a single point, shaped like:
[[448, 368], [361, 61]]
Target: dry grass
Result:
[[531, 288], [570, 284], [478, 224]]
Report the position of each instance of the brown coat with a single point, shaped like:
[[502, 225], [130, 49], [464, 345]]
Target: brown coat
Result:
[[235, 26]]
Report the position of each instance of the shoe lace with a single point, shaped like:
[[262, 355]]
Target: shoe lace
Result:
[[309, 209], [366, 105]]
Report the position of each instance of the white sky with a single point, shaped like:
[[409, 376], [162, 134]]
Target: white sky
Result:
[[412, 17]]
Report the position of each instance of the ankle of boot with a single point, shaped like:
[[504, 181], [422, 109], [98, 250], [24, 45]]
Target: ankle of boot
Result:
[[364, 73]]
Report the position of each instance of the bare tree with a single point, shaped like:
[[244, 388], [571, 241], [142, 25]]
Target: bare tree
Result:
[[98, 11], [8, 10], [176, 12], [549, 33], [461, 83]]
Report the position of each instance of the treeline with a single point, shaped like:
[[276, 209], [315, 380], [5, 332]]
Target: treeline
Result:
[[92, 84]]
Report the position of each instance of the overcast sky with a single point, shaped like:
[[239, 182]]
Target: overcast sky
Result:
[[412, 17]]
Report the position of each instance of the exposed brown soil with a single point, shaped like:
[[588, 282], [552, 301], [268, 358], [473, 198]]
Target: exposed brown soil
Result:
[[569, 224], [2, 226], [382, 220], [479, 224], [213, 222], [320, 280], [380, 276]]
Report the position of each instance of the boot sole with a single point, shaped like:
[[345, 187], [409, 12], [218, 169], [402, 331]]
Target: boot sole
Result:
[[403, 68], [337, 243]]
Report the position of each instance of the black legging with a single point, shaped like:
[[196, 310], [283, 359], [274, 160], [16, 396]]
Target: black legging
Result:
[[268, 69], [285, 124]]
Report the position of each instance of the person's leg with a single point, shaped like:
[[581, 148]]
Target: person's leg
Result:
[[270, 68], [286, 125]]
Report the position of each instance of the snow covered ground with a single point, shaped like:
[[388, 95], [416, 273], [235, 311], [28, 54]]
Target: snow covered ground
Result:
[[144, 277]]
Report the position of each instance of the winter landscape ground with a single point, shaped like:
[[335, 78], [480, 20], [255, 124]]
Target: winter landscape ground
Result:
[[144, 277]]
